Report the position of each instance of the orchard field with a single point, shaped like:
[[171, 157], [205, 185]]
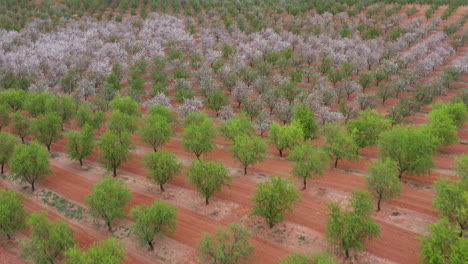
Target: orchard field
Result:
[[211, 131]]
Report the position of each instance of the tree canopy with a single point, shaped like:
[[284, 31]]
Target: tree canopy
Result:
[[7, 143], [339, 144], [208, 177], [248, 150], [153, 221], [30, 163], [49, 240], [229, 245], [109, 251], [273, 197], [309, 162], [80, 144], [349, 229], [162, 166], [382, 180], [108, 200], [410, 147], [13, 216], [285, 137]]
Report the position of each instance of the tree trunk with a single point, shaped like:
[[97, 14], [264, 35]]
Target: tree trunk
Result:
[[2, 167], [270, 224], [161, 187], [22, 140], [81, 162], [336, 163], [115, 172], [48, 147], [206, 200], [305, 184], [32, 186], [245, 170], [155, 149], [8, 236], [109, 226], [378, 202], [281, 152], [150, 243]]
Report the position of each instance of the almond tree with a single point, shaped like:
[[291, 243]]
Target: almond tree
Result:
[[14, 215], [30, 163], [382, 180], [273, 197], [349, 229], [208, 177], [108, 199], [227, 246], [7, 143], [248, 150], [309, 162], [49, 240], [162, 166], [153, 221], [80, 145]]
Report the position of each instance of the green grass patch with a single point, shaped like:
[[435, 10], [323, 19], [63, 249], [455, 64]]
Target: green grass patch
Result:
[[67, 208]]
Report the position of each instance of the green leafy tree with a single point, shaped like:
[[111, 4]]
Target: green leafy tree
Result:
[[336, 75], [317, 258], [441, 128], [208, 177], [14, 98], [304, 117], [115, 150], [162, 166], [163, 111], [273, 197], [443, 244], [30, 163], [339, 144], [217, 100], [109, 251], [451, 200], [349, 229], [36, 103], [249, 150], [13, 216], [64, 107], [85, 115], [113, 82], [5, 115], [236, 126], [48, 129], [365, 80], [462, 166], [367, 128], [108, 200], [126, 105], [455, 111], [7, 143], [21, 125], [198, 135], [49, 240], [80, 145], [122, 124], [382, 180], [309, 162], [156, 130], [285, 137], [153, 221], [227, 246], [410, 147]]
